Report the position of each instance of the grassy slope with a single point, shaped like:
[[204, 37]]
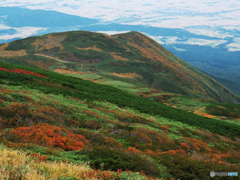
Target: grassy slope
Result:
[[120, 134], [120, 56]]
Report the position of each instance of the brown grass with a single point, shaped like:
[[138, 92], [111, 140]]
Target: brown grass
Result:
[[17, 165], [50, 42], [3, 47], [207, 115], [170, 105], [139, 61], [65, 71], [127, 75], [5, 53], [198, 112], [94, 48], [221, 107], [116, 57], [41, 64]]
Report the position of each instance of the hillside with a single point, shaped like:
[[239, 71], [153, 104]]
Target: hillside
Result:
[[233, 86], [132, 59], [57, 123]]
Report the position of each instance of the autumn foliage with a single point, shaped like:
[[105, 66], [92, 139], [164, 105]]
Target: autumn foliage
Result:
[[51, 136], [185, 146], [22, 71], [40, 158]]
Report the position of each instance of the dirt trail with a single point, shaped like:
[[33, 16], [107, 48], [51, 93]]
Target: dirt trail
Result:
[[198, 112], [57, 59]]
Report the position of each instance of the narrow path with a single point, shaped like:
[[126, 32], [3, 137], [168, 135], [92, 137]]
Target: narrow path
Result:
[[198, 112], [50, 57]]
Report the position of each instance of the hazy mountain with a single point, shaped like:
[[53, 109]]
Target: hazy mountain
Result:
[[23, 17]]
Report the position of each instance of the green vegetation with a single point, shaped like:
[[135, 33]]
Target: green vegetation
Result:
[[126, 54], [129, 136], [89, 91], [97, 131], [224, 109], [22, 44]]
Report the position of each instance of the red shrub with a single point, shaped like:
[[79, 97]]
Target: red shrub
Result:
[[49, 135], [40, 158], [133, 150], [185, 146], [48, 114], [15, 114], [171, 152], [149, 152], [22, 71], [163, 127], [196, 143]]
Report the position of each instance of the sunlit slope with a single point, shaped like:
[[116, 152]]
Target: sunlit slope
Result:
[[131, 56], [175, 75], [63, 123]]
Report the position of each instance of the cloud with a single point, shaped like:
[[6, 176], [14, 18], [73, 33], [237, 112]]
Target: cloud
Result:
[[112, 32], [204, 17], [235, 46], [161, 13], [21, 32]]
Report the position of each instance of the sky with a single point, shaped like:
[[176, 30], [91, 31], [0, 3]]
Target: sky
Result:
[[161, 13], [203, 17]]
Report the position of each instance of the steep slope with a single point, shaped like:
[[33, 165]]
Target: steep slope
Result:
[[64, 122], [132, 56], [181, 74]]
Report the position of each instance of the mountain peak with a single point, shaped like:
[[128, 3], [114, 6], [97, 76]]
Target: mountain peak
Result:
[[132, 54]]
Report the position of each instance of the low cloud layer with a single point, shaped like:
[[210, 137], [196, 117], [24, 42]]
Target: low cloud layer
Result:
[[162, 13], [209, 17]]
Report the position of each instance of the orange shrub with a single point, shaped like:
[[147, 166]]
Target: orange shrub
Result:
[[51, 136], [1, 101], [40, 158], [133, 149], [195, 147], [6, 91], [14, 114], [112, 143], [163, 127], [181, 152], [149, 152], [185, 146], [48, 114], [225, 155], [171, 152], [14, 109], [215, 156], [196, 143]]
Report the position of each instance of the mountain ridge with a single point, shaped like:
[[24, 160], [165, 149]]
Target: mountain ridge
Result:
[[122, 53]]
